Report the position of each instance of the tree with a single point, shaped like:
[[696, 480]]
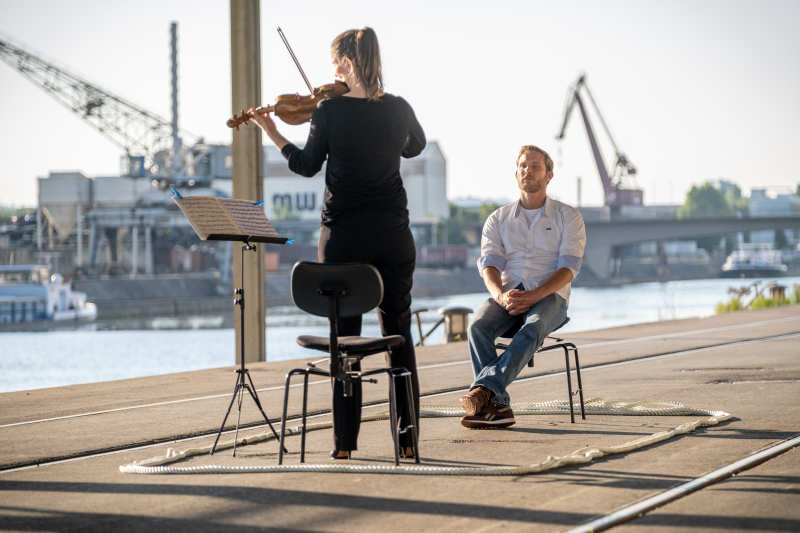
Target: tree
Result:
[[737, 202], [706, 201], [7, 213], [487, 208], [465, 224]]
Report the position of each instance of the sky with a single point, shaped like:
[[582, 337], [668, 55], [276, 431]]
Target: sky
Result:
[[691, 90]]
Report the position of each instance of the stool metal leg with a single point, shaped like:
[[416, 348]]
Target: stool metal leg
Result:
[[393, 416], [283, 414], [305, 418], [567, 347], [569, 383], [578, 372], [413, 415]]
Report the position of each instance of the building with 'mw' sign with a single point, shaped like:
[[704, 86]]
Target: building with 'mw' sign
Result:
[[287, 195]]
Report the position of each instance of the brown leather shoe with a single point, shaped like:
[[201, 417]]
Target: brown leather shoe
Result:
[[493, 416], [476, 400]]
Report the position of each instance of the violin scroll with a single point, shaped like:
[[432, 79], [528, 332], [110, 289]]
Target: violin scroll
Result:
[[240, 120]]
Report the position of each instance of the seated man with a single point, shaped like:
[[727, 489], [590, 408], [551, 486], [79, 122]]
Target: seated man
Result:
[[531, 250]]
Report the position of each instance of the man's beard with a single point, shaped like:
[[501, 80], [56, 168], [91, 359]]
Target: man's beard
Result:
[[532, 186]]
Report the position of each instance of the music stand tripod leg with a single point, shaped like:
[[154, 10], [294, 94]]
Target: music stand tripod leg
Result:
[[252, 390], [227, 413], [238, 417]]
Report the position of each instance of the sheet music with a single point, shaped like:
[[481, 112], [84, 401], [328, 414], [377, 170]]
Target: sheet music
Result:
[[228, 219], [207, 216], [250, 218]]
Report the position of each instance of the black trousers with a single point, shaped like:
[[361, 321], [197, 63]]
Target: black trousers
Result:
[[384, 241]]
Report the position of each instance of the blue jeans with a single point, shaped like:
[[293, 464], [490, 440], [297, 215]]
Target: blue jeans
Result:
[[496, 372]]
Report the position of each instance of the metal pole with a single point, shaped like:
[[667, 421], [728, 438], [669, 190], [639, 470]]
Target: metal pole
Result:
[[79, 234], [248, 167], [92, 243], [134, 250], [175, 164], [148, 249], [39, 228]]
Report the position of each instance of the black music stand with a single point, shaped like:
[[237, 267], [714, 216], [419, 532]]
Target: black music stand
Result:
[[227, 219]]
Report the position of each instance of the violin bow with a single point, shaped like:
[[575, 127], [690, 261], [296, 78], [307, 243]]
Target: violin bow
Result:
[[294, 58]]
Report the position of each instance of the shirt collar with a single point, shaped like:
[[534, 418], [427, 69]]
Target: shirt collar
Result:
[[548, 207]]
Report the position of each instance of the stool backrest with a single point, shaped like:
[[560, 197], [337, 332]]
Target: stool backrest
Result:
[[359, 287]]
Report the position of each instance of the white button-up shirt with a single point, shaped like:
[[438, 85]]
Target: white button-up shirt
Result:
[[531, 255]]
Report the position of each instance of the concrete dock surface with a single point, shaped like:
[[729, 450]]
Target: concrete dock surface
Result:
[[745, 363]]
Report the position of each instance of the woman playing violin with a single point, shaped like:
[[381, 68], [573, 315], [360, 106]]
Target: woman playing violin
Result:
[[363, 134]]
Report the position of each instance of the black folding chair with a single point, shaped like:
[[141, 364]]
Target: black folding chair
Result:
[[503, 341], [337, 291]]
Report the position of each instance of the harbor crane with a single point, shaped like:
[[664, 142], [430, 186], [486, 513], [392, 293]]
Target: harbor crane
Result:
[[153, 145], [616, 193]]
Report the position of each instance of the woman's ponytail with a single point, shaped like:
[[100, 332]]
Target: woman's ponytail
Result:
[[361, 47]]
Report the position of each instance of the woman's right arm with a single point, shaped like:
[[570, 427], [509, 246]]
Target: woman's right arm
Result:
[[308, 161], [265, 122]]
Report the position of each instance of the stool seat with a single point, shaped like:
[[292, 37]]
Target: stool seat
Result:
[[352, 345]]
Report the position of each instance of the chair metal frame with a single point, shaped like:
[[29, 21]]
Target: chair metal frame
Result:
[[340, 367], [559, 343], [391, 373]]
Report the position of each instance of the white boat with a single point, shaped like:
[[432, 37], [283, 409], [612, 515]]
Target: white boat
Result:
[[754, 260], [28, 293]]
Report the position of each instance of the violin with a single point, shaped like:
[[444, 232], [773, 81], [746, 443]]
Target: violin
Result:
[[292, 108]]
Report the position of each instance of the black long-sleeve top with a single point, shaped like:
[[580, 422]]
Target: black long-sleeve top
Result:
[[363, 141]]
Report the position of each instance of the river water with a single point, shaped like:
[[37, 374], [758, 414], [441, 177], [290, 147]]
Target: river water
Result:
[[102, 351]]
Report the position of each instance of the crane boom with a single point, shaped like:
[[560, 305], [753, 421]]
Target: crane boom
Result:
[[137, 131], [615, 193]]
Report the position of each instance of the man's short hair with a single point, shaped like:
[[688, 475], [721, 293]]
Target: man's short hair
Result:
[[548, 162]]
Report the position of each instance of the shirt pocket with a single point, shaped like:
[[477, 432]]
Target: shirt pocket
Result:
[[546, 238]]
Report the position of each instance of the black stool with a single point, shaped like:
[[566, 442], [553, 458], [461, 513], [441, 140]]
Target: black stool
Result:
[[503, 341], [344, 290]]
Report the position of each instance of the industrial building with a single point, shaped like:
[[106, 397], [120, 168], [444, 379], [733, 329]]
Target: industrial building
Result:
[[118, 224], [769, 203], [291, 197]]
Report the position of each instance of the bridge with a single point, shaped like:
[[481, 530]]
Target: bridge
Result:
[[603, 236]]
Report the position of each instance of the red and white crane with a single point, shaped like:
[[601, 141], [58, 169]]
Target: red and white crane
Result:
[[616, 193]]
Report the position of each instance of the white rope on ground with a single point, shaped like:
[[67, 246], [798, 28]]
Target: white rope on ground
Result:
[[595, 406]]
